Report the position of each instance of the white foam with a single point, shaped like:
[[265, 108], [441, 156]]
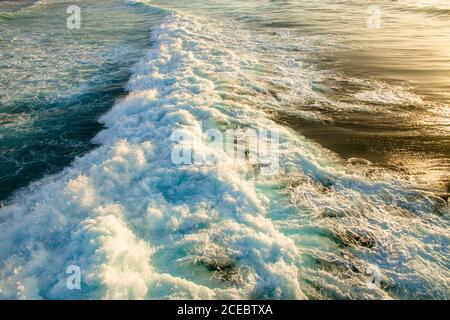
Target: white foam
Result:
[[140, 226], [388, 95]]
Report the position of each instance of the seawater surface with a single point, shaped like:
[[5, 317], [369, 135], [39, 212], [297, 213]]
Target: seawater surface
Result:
[[56, 82], [358, 209]]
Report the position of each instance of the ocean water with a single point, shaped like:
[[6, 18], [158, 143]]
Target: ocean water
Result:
[[56, 82], [357, 210]]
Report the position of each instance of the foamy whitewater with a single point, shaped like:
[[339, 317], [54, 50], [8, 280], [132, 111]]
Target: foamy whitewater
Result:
[[141, 227]]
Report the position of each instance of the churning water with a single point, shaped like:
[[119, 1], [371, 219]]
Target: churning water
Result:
[[358, 95]]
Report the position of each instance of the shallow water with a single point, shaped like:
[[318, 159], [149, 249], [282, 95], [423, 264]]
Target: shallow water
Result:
[[329, 224]]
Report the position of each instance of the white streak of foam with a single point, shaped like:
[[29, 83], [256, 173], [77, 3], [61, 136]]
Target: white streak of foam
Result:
[[114, 207], [141, 227]]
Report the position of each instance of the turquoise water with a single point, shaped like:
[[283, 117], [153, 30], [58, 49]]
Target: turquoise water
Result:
[[356, 210]]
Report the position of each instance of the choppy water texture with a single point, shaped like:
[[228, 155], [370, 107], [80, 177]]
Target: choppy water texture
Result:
[[358, 209]]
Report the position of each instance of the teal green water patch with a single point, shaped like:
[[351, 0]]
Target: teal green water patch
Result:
[[60, 131], [5, 16]]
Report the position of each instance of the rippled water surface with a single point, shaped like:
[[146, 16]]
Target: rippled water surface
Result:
[[358, 94], [56, 82]]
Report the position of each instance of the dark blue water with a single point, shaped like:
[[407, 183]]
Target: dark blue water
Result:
[[55, 82]]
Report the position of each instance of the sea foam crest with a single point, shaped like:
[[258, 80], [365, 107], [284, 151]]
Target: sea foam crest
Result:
[[140, 226]]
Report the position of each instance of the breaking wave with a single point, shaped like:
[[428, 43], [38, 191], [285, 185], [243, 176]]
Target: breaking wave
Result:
[[140, 226]]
